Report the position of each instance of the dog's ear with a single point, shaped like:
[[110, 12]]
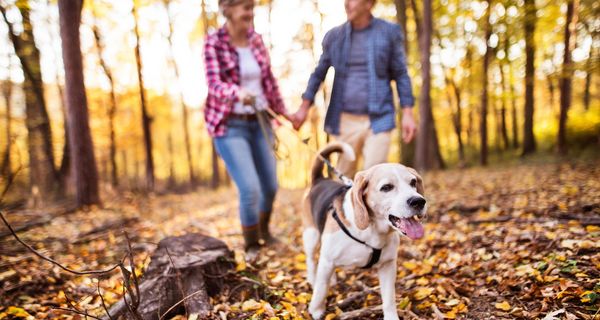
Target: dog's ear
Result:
[[361, 213], [420, 188]]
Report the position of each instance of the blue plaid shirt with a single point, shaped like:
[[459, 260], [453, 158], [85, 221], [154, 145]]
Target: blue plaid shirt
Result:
[[386, 61]]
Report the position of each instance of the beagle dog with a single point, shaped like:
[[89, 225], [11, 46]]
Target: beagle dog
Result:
[[359, 226]]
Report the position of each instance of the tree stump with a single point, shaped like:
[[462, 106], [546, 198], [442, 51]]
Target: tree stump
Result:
[[189, 268]]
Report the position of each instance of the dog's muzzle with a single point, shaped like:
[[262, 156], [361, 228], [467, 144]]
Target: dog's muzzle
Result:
[[410, 227]]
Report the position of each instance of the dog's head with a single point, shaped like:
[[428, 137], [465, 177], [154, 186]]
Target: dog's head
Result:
[[389, 195]]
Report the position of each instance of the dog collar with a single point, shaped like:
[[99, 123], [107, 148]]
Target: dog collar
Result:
[[375, 254]]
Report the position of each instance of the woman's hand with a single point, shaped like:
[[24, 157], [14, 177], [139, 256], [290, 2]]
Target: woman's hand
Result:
[[246, 98], [298, 118]]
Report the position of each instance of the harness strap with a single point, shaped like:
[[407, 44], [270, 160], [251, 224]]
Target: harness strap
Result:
[[375, 254]]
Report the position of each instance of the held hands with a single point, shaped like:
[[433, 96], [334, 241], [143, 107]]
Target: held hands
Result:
[[409, 127], [298, 118]]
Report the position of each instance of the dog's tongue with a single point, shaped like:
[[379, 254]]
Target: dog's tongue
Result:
[[412, 228]]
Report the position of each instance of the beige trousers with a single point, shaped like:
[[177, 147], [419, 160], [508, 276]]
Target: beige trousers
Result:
[[373, 148]]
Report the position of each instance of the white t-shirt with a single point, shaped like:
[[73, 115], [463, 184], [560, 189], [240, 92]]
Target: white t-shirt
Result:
[[250, 78]]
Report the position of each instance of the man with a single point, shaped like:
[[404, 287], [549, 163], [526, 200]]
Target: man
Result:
[[367, 53]]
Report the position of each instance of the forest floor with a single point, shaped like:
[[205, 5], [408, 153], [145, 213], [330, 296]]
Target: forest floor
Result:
[[518, 241]]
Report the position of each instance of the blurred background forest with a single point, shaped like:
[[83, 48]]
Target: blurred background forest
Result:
[[503, 79]]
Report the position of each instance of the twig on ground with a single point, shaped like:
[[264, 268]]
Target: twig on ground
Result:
[[345, 303], [76, 311], [179, 302], [373, 311], [128, 276]]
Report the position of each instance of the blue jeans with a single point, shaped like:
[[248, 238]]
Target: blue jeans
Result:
[[251, 163]]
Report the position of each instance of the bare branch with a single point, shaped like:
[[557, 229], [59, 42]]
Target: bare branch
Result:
[[103, 302], [83, 313], [37, 253]]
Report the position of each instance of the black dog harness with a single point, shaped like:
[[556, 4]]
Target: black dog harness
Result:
[[375, 255]]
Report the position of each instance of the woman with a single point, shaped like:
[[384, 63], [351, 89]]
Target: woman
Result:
[[240, 84]]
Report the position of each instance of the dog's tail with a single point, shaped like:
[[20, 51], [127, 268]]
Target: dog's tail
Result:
[[345, 151]]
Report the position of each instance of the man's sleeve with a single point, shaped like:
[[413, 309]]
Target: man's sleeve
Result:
[[400, 70], [317, 77]]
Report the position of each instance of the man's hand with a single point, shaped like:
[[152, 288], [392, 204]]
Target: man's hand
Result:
[[299, 117], [409, 127]]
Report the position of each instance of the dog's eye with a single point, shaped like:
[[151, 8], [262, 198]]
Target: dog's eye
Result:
[[387, 187], [413, 183]]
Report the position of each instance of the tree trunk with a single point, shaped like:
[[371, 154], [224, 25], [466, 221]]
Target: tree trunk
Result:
[[513, 98], [81, 145], [42, 173], [407, 150], [469, 91], [64, 171], [7, 87], [566, 74], [112, 108], [588, 84], [457, 121], [146, 120], [192, 266], [427, 148], [125, 167], [184, 108], [503, 127], [551, 90], [529, 144], [172, 179], [498, 122], [483, 155]]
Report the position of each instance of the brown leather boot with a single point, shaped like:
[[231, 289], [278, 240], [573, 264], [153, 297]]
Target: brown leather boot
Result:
[[251, 245], [263, 227]]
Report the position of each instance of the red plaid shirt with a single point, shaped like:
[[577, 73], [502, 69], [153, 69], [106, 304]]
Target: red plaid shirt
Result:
[[223, 77]]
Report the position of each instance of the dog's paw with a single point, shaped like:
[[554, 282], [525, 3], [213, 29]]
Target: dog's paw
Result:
[[390, 316], [316, 313]]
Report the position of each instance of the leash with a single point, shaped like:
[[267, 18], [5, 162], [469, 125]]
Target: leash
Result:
[[347, 181], [264, 124], [375, 252]]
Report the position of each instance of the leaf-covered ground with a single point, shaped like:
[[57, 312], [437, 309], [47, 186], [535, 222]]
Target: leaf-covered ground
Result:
[[521, 241]]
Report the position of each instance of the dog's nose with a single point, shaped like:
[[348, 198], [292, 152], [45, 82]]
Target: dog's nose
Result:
[[416, 202]]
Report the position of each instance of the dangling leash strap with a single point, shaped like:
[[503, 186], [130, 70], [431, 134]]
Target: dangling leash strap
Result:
[[376, 253]]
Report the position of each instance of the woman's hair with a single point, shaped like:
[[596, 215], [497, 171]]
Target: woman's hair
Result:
[[224, 4], [228, 2]]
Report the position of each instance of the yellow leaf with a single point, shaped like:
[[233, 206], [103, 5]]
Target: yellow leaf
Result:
[[288, 306], [423, 292], [409, 265], [17, 312], [424, 269], [592, 228], [422, 281], [251, 305], [330, 316], [241, 262], [452, 303], [404, 303], [503, 306], [450, 314]]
